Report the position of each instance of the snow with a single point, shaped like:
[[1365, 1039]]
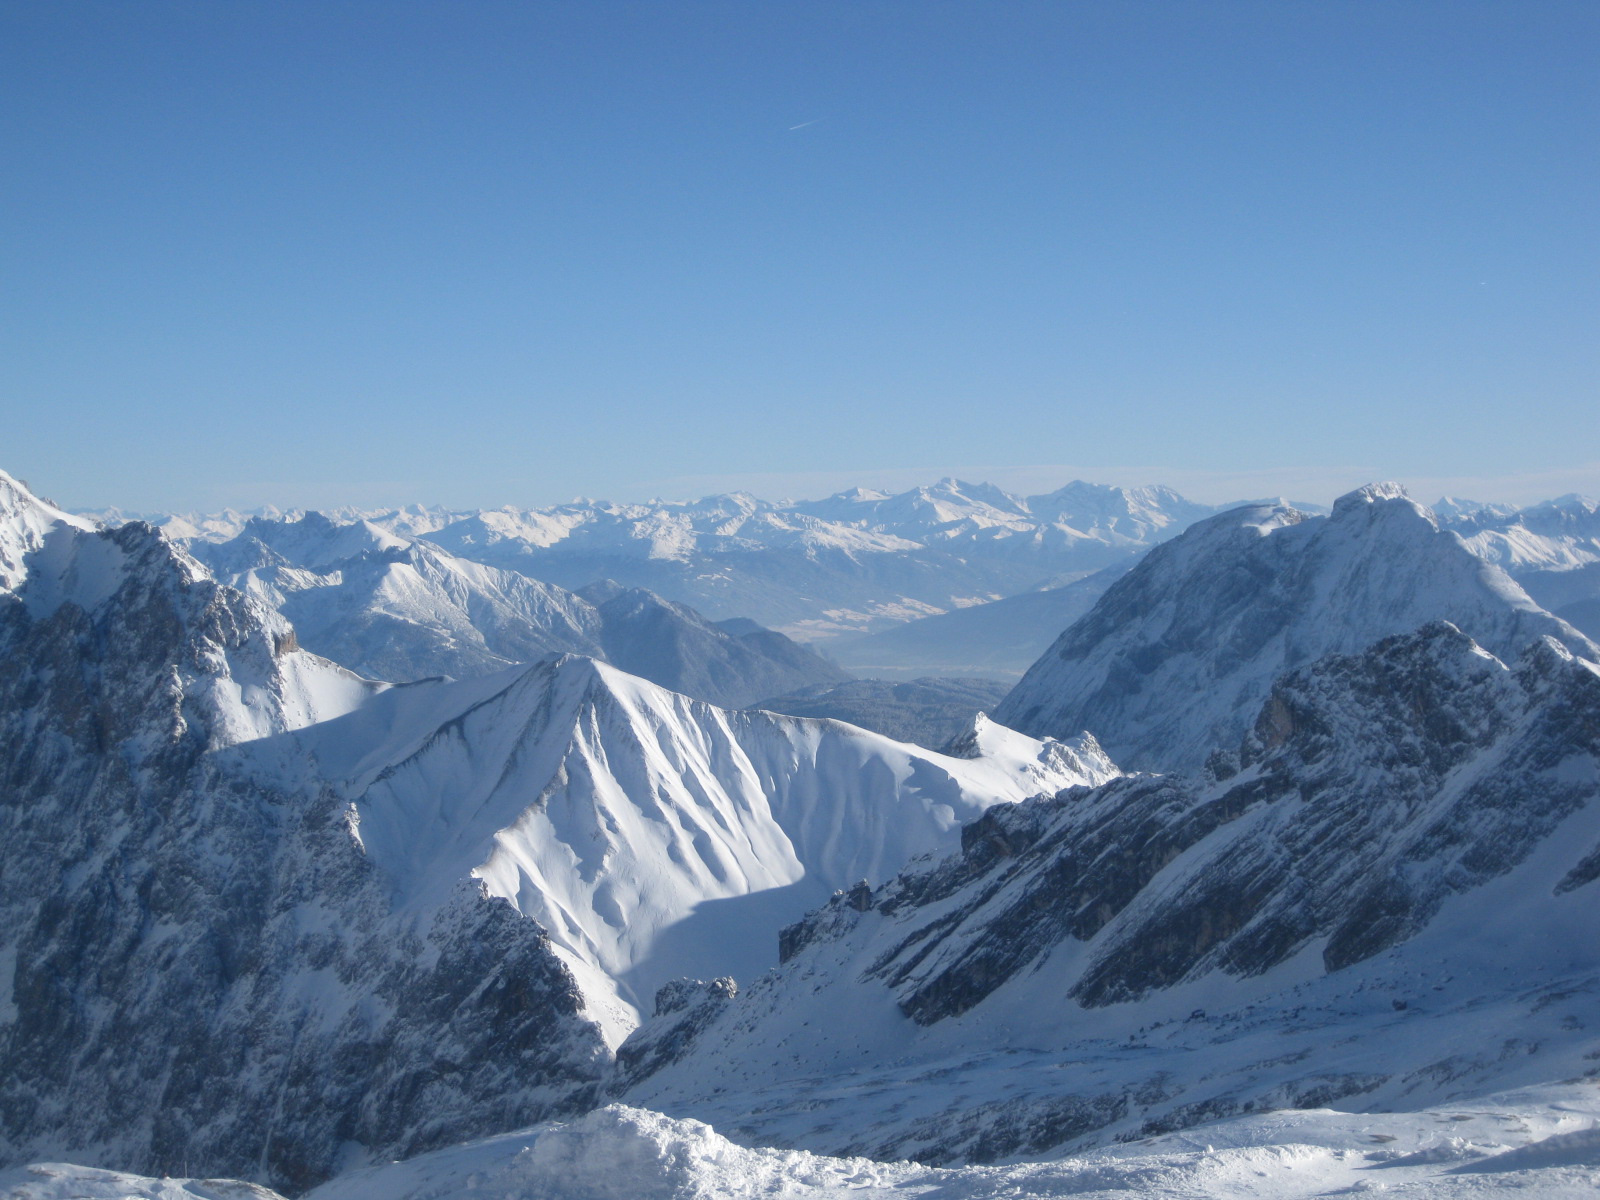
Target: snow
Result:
[[639, 827], [871, 558], [26, 523], [63, 1181], [1542, 1143], [1224, 609]]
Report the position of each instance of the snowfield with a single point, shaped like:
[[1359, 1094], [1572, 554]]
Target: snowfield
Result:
[[1539, 1143]]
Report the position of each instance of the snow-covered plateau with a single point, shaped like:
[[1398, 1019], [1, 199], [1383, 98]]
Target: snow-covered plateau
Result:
[[514, 921]]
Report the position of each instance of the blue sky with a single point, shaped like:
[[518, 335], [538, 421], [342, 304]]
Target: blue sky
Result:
[[479, 253]]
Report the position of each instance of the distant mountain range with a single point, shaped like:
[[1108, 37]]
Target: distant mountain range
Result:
[[857, 561], [861, 571]]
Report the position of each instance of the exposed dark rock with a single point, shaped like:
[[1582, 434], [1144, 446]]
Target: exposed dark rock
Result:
[[209, 976]]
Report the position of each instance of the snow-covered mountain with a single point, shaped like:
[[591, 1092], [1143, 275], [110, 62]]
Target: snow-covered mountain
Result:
[[653, 835], [197, 964], [264, 917], [1178, 655], [229, 523], [856, 561], [853, 562], [1385, 901], [400, 608], [1551, 549], [1556, 535]]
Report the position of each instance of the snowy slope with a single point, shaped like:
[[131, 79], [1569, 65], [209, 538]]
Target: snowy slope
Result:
[[25, 523], [1388, 903], [1538, 1142], [613, 811], [1178, 655]]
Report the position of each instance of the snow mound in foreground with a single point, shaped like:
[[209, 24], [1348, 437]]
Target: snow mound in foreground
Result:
[[1543, 1143], [1540, 1142], [61, 1181], [619, 1153]]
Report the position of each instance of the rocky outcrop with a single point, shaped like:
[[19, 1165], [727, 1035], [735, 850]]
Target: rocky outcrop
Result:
[[202, 972], [1372, 788]]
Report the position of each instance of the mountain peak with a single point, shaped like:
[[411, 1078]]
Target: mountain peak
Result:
[[1372, 493], [25, 522]]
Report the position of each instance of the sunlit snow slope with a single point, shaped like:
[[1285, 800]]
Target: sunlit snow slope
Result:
[[612, 811]]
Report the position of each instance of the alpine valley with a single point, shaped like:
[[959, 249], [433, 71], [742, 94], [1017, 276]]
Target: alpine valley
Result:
[[944, 844]]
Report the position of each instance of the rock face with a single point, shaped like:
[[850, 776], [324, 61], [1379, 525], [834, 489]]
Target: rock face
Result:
[[1348, 818], [1177, 657], [200, 968], [402, 609], [1401, 851]]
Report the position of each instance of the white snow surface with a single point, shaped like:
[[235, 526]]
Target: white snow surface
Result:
[[1558, 534], [1541, 1143], [653, 835], [26, 522]]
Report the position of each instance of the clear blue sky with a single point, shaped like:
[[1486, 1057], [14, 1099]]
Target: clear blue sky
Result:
[[481, 253]]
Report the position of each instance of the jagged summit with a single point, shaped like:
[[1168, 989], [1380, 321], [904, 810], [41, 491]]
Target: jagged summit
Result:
[[1371, 493], [1177, 656]]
